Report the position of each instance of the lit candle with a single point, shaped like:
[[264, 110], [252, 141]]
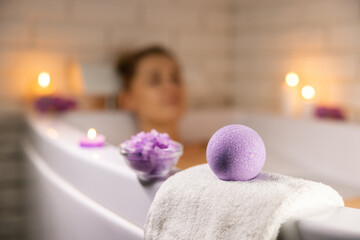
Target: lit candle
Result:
[[92, 139], [44, 86], [308, 93], [44, 80], [290, 94]]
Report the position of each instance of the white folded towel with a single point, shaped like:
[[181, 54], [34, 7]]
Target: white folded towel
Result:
[[195, 204]]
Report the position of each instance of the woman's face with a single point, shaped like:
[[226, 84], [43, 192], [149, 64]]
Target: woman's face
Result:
[[156, 93]]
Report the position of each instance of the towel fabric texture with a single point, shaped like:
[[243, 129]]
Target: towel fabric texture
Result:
[[195, 204]]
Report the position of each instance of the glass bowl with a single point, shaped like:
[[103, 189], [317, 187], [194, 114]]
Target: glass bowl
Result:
[[152, 166]]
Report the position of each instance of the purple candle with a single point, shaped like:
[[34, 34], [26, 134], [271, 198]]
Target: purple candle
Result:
[[92, 139]]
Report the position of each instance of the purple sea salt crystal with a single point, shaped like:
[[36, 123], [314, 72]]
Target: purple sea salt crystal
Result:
[[329, 112], [54, 104], [151, 154]]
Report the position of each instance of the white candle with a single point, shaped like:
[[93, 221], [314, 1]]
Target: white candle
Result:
[[289, 94], [44, 86], [308, 106]]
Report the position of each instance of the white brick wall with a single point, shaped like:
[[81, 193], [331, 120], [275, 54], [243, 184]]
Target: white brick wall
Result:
[[68, 36], [14, 32], [319, 39], [100, 13], [232, 50], [345, 37], [199, 32]]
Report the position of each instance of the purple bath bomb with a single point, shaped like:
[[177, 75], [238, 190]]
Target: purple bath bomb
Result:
[[236, 153]]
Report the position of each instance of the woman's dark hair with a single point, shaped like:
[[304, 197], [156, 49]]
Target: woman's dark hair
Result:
[[127, 64]]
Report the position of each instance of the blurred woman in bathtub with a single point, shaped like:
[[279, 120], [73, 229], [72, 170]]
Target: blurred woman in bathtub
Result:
[[154, 91]]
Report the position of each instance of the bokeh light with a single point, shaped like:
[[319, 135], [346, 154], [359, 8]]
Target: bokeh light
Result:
[[44, 79], [91, 133], [308, 92], [292, 79]]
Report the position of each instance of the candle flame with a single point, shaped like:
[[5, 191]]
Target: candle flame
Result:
[[44, 79], [292, 79], [91, 133], [308, 92]]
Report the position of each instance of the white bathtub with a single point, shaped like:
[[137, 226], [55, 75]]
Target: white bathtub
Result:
[[78, 193]]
